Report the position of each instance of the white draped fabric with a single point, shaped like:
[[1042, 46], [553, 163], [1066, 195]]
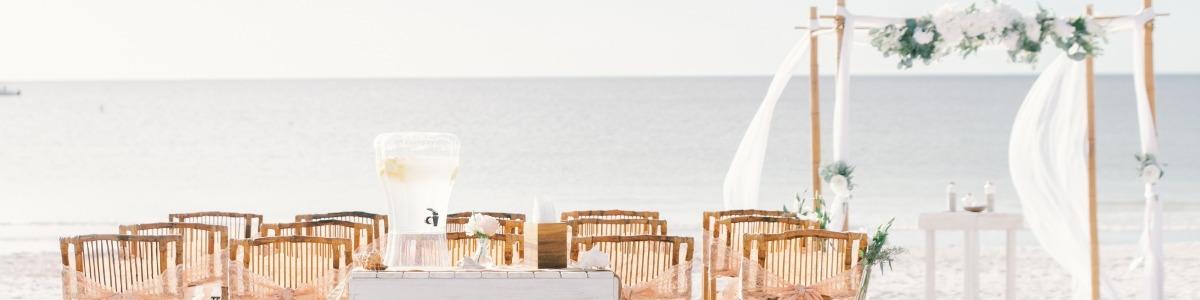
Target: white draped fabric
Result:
[[1151, 241], [841, 104], [1048, 161], [745, 172]]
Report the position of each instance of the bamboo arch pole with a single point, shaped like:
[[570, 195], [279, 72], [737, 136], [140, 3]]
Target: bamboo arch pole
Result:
[[841, 33], [814, 106], [1091, 168], [1148, 68]]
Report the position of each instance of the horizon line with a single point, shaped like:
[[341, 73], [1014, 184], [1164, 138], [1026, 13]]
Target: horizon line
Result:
[[299, 78]]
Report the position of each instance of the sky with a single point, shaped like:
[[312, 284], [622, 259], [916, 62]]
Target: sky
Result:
[[52, 40]]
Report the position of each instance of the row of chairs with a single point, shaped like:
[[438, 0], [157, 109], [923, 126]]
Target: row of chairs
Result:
[[200, 250], [636, 242], [198, 245], [794, 250]]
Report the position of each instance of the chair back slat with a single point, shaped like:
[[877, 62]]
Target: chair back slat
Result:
[[601, 227], [378, 222], [608, 214], [359, 234], [805, 257], [639, 258], [505, 249], [240, 225], [123, 263], [292, 261]]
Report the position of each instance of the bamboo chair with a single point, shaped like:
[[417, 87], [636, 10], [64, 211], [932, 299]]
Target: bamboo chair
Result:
[[498, 215], [732, 229], [601, 227], [508, 227], [204, 248], [459, 224], [517, 227], [608, 214], [710, 222], [804, 257], [378, 222], [240, 225], [122, 264], [640, 258], [288, 262], [359, 234], [501, 247]]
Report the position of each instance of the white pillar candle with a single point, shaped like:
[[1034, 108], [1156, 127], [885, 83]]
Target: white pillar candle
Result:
[[951, 196], [989, 192]]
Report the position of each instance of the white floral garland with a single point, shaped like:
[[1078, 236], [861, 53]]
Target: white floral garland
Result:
[[955, 28]]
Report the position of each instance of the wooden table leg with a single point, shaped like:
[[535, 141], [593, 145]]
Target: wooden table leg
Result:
[[930, 264]]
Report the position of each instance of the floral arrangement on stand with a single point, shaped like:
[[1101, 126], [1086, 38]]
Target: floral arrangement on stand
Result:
[[878, 253], [482, 227], [964, 29], [839, 175]]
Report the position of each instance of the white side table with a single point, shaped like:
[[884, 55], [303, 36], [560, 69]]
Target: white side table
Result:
[[970, 223]]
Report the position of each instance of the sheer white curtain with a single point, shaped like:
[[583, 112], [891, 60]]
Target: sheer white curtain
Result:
[[841, 104], [1048, 162], [744, 177], [1151, 241]]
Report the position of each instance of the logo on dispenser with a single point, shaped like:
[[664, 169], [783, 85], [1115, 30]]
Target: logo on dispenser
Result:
[[432, 219]]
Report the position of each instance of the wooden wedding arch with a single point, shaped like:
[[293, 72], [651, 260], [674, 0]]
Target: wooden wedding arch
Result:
[[839, 29]]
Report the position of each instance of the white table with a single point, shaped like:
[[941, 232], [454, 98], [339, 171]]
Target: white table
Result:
[[970, 223], [533, 284]]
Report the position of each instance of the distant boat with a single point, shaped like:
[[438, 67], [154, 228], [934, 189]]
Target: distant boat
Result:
[[5, 91]]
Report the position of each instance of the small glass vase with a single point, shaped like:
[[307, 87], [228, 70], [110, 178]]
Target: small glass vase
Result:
[[482, 255]]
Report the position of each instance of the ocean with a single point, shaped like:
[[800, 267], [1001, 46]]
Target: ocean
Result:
[[81, 157]]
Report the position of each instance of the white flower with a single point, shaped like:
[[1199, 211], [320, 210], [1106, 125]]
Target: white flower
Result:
[[1063, 29], [840, 185], [1151, 174], [484, 225], [592, 259], [1032, 30], [923, 36]]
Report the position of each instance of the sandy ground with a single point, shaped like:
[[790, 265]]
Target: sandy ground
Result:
[[36, 275]]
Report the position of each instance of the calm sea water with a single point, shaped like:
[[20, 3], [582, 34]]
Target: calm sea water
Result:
[[101, 153]]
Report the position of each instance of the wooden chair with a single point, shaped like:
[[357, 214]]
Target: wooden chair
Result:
[[732, 229], [204, 248], [378, 222], [709, 222], [501, 247], [804, 257], [268, 264], [498, 215], [459, 224], [608, 214], [124, 264], [601, 227], [516, 226], [240, 225], [639, 258], [359, 234]]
